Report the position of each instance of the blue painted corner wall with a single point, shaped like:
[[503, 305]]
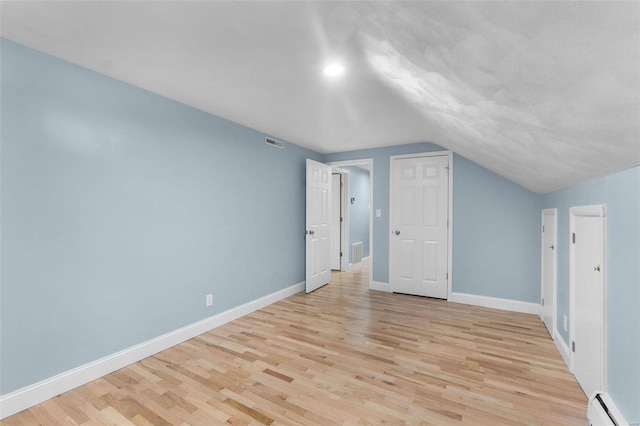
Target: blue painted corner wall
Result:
[[620, 193], [496, 240], [496, 248], [496, 235]]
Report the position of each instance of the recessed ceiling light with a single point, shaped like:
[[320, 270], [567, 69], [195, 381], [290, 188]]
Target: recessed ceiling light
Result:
[[333, 69]]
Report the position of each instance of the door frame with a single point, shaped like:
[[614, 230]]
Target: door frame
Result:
[[366, 163], [554, 315], [449, 155], [344, 213], [588, 211]]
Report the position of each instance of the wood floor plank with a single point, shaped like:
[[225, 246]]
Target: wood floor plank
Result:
[[340, 355]]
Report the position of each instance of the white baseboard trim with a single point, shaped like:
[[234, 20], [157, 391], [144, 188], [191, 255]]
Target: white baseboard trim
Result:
[[563, 349], [351, 265], [31, 395], [495, 302], [380, 286]]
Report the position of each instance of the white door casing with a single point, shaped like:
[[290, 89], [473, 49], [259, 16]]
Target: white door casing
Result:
[[336, 182], [419, 240], [587, 297], [318, 219], [549, 271]]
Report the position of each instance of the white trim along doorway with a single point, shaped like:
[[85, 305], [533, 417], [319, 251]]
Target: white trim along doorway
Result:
[[340, 220]]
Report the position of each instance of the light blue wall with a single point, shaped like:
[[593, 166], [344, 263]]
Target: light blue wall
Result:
[[359, 210], [122, 209], [620, 193], [496, 239], [496, 235]]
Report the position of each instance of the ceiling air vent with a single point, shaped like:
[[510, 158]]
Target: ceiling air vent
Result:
[[274, 142]]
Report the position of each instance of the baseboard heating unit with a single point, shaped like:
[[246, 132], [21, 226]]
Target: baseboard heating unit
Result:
[[356, 252], [603, 412]]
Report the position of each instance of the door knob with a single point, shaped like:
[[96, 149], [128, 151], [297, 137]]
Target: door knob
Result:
[[551, 247], [396, 232], [596, 268], [312, 232]]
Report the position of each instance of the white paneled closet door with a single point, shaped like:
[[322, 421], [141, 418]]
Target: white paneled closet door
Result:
[[586, 294], [418, 258]]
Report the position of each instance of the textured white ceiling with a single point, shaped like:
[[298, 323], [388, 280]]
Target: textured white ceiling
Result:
[[546, 94]]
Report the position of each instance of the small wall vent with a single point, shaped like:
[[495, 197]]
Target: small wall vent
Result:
[[274, 142]]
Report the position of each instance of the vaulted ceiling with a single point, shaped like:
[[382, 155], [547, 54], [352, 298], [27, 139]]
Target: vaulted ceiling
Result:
[[546, 94]]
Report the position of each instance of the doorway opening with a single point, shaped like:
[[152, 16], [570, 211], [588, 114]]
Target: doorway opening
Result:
[[356, 240]]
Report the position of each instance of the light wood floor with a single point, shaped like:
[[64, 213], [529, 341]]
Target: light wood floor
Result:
[[341, 355]]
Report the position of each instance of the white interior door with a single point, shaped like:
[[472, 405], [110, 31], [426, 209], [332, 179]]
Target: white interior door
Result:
[[419, 236], [336, 183], [318, 232], [587, 297], [548, 302]]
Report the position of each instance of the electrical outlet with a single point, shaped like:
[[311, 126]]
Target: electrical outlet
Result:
[[209, 301], [565, 324]]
